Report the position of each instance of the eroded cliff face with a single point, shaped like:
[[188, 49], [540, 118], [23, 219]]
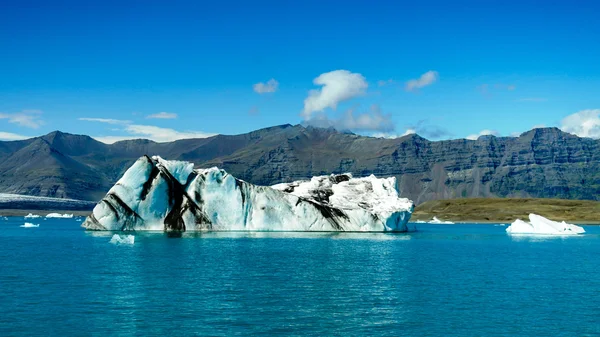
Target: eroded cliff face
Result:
[[544, 163]]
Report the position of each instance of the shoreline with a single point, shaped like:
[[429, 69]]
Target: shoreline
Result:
[[42, 213]]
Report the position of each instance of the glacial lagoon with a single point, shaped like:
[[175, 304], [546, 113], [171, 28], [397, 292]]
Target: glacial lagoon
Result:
[[451, 280]]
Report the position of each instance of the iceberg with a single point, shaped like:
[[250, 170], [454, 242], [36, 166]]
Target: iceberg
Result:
[[539, 225], [435, 220], [60, 216], [157, 194], [32, 216], [29, 225], [122, 239]]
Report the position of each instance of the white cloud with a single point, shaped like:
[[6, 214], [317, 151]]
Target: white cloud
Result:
[[12, 136], [137, 131], [337, 86], [393, 135], [262, 88], [483, 133], [368, 121], [105, 120], [26, 118], [159, 134], [409, 132], [426, 79], [163, 115], [152, 132], [373, 120], [585, 123]]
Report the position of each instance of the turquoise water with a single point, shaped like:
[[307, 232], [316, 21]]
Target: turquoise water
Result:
[[445, 280]]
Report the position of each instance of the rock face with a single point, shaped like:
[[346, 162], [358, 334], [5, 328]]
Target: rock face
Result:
[[542, 163], [156, 194]]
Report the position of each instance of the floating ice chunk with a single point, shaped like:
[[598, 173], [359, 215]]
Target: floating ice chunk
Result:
[[156, 194], [32, 216], [122, 239], [29, 225], [420, 221], [435, 220], [540, 225], [58, 215]]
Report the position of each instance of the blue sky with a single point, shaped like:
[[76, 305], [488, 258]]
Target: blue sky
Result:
[[105, 68]]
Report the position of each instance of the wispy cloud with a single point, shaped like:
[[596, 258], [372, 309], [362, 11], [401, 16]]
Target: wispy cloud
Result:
[[263, 88], [254, 111], [483, 133], [337, 86], [12, 136], [428, 130], [137, 131], [162, 115], [585, 123], [105, 120], [532, 99], [426, 79], [26, 118]]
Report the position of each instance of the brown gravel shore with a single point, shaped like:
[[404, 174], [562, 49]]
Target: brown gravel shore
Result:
[[497, 210]]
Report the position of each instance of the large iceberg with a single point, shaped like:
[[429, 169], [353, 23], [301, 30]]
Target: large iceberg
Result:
[[540, 225], [156, 194]]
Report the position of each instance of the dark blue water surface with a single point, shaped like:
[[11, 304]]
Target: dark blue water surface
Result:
[[445, 280]]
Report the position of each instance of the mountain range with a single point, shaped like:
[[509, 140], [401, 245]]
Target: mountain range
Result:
[[541, 163]]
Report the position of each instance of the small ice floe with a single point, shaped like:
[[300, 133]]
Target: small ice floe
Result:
[[32, 216], [539, 225], [500, 225], [29, 225], [420, 221], [122, 239], [58, 215], [4, 218], [435, 220]]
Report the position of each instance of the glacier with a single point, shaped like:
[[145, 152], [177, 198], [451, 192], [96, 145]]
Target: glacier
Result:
[[539, 225], [158, 194]]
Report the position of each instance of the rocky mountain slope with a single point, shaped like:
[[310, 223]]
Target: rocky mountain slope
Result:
[[541, 163]]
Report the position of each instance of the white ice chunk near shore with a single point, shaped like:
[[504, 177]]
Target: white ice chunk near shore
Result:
[[32, 216], [122, 239], [29, 225], [156, 194], [539, 225], [60, 216], [435, 220]]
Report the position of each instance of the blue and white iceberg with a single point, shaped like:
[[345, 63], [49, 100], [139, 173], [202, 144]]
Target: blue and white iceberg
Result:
[[156, 194]]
